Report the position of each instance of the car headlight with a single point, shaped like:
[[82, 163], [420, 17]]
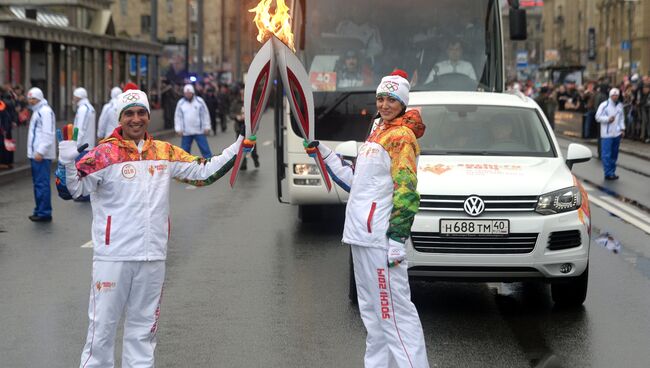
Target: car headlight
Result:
[[563, 200], [305, 169]]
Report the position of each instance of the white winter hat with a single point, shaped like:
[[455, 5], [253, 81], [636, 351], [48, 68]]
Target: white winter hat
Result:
[[130, 98], [395, 85], [115, 92], [614, 91], [36, 93], [188, 88], [80, 93]]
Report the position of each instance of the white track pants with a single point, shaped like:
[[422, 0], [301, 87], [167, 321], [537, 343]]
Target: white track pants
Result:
[[395, 337], [131, 287]]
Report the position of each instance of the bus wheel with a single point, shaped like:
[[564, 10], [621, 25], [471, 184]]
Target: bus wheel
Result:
[[309, 213], [352, 285]]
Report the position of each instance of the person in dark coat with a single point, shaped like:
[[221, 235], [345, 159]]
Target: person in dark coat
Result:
[[7, 120], [237, 114], [169, 100], [223, 98], [212, 102]]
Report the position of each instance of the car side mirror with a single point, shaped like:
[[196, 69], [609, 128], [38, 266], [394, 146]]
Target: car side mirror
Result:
[[577, 153], [347, 149]]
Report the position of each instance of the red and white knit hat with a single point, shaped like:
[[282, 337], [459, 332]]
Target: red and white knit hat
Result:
[[130, 98], [395, 85]]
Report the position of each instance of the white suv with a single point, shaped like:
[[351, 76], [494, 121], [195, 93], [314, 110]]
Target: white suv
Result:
[[498, 200]]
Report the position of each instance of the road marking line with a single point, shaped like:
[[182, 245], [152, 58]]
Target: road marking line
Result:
[[620, 213], [629, 209], [267, 143], [88, 245]]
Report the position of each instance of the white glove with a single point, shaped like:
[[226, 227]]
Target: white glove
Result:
[[68, 152], [324, 150], [396, 253]]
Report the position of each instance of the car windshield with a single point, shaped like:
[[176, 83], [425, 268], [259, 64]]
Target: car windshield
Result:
[[351, 45], [485, 131]]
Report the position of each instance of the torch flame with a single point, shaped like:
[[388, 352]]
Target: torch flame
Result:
[[278, 23]]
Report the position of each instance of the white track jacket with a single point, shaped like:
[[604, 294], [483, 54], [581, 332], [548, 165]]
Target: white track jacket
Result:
[[129, 192], [85, 121], [191, 117], [383, 197], [41, 132]]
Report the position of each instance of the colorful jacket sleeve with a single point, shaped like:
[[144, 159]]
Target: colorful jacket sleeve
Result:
[[403, 150], [198, 171]]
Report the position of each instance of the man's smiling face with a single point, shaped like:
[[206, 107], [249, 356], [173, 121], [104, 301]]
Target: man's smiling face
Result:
[[134, 122]]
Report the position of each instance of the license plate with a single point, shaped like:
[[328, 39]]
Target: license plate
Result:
[[474, 227]]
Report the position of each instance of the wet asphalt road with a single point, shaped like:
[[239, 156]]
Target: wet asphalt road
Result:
[[249, 285]]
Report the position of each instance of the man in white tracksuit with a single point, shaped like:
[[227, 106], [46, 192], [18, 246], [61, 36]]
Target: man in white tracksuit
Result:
[[380, 210], [610, 115], [192, 121], [108, 117], [84, 119], [128, 178], [41, 150]]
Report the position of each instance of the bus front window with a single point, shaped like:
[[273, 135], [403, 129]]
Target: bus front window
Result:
[[350, 45]]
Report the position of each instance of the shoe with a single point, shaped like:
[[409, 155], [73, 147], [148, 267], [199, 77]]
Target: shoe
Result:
[[40, 218], [257, 163], [613, 177], [243, 166]]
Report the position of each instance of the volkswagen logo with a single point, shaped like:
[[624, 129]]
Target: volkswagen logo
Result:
[[474, 206]]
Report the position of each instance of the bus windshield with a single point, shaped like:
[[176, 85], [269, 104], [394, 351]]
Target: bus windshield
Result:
[[442, 45]]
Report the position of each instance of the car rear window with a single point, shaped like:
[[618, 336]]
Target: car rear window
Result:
[[484, 130]]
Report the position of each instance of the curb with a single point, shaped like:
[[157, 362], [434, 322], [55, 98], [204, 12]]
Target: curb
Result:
[[24, 170]]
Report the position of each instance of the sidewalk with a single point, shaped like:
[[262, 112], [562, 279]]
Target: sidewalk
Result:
[[24, 170]]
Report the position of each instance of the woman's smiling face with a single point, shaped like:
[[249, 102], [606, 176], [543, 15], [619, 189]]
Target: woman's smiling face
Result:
[[388, 107]]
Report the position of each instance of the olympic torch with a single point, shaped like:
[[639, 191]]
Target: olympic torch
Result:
[[276, 55]]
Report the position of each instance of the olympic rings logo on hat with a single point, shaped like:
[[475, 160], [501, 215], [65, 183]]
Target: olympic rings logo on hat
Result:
[[390, 86], [131, 97]]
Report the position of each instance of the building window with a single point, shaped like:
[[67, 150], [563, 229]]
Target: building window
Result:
[[170, 6], [194, 11], [145, 24], [124, 7], [194, 41]]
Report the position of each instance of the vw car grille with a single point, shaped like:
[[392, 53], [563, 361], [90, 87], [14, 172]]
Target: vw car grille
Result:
[[511, 244], [492, 203]]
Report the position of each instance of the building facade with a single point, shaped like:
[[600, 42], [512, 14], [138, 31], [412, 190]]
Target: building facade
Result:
[[198, 36], [608, 37]]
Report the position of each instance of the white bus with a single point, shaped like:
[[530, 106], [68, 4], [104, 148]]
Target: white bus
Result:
[[348, 46]]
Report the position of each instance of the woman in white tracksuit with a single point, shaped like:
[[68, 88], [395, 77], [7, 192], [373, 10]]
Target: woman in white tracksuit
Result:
[[380, 210]]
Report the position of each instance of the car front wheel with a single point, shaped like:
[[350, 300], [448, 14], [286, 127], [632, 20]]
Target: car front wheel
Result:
[[571, 293]]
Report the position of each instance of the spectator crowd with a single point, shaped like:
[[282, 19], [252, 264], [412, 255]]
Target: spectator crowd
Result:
[[586, 98]]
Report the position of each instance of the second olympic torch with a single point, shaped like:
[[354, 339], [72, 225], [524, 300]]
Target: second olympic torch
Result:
[[276, 56]]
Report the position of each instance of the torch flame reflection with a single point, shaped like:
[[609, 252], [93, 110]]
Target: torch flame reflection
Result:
[[278, 23]]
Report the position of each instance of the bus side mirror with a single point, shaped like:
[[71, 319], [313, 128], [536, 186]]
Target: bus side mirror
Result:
[[577, 153], [347, 149], [518, 29]]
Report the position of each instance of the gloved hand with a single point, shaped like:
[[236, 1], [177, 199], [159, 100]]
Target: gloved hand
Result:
[[311, 147], [396, 253], [68, 150], [249, 143]]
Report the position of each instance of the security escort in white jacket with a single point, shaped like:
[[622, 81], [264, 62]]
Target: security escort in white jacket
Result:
[[380, 211], [192, 121], [610, 115], [84, 119], [128, 177], [108, 117], [41, 151]]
